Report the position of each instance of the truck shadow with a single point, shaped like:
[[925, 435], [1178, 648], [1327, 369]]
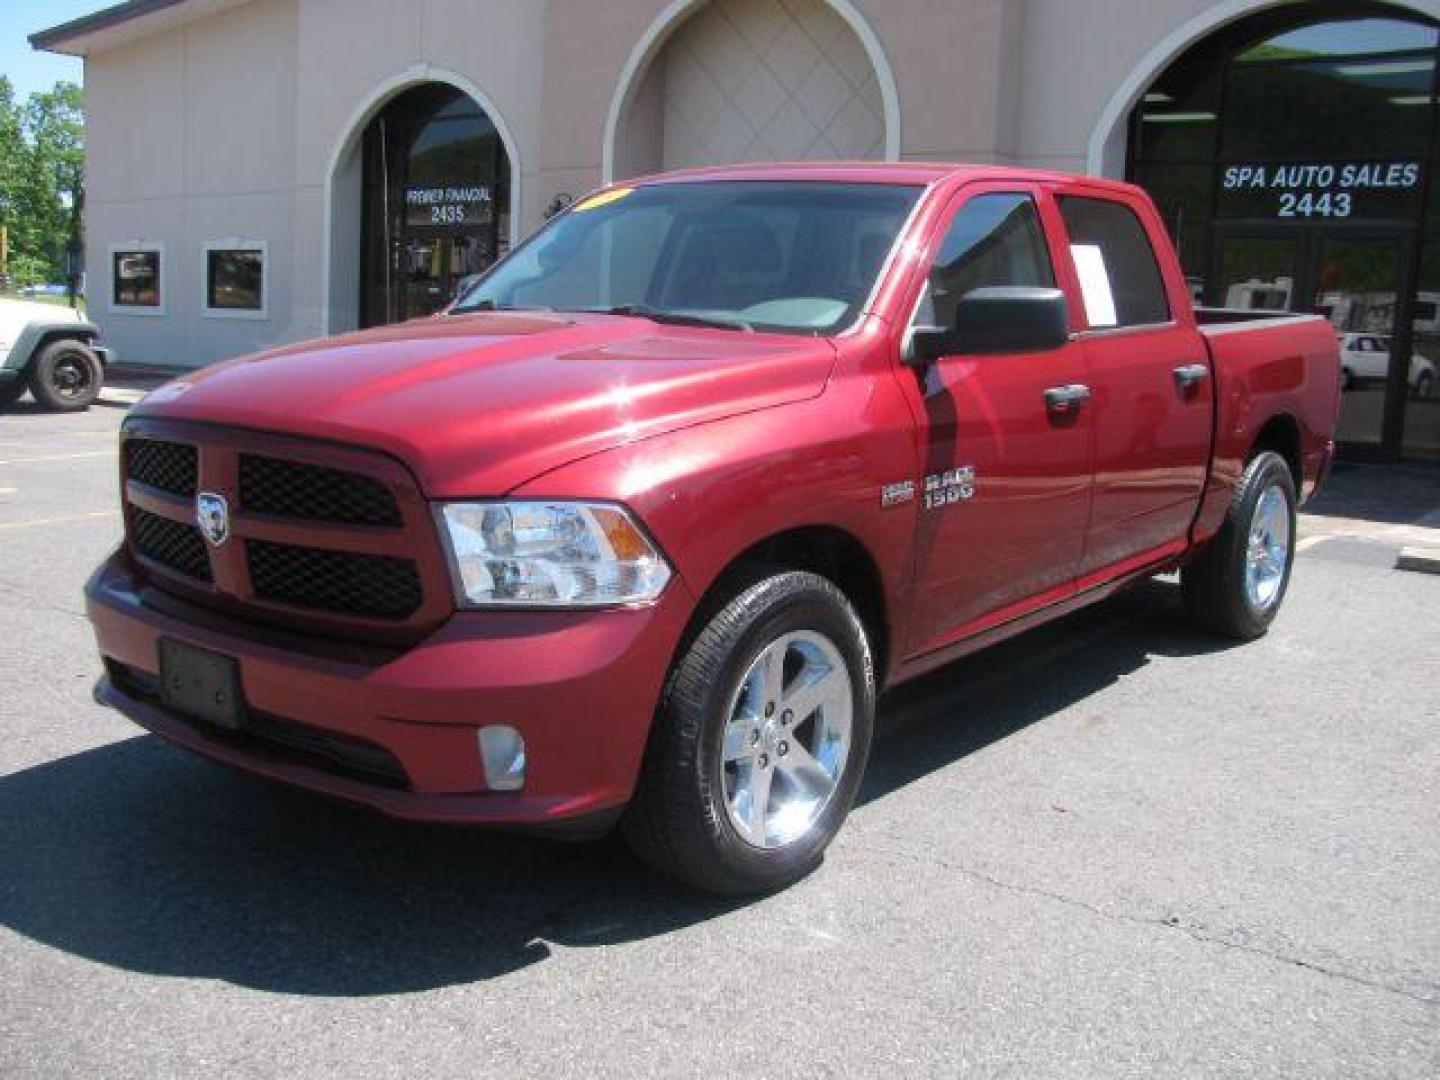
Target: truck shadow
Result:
[[139, 856]]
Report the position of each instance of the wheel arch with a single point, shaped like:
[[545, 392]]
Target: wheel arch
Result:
[[38, 337], [828, 550], [1281, 434]]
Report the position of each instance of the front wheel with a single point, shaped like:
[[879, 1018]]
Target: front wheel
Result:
[[66, 376], [760, 742], [1234, 587], [1424, 384]]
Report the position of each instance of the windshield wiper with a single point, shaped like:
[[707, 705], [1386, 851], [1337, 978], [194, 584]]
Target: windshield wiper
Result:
[[674, 318], [490, 305]]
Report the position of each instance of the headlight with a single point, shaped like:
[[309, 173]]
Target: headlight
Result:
[[540, 554]]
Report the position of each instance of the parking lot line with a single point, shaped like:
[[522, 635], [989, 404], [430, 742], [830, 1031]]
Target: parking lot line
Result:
[[67, 519], [41, 435], [59, 457]]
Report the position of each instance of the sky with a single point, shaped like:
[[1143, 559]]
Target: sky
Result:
[[30, 70]]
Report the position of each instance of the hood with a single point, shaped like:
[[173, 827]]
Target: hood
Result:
[[478, 404], [21, 312]]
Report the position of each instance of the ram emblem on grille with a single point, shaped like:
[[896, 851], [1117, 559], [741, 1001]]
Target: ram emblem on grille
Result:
[[212, 514]]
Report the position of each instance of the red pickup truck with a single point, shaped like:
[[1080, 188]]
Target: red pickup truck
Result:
[[639, 528]]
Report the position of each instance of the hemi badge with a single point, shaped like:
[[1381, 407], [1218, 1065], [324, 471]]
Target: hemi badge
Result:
[[895, 494]]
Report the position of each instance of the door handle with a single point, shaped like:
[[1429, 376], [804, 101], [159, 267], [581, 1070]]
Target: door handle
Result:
[[1066, 399], [1189, 375]]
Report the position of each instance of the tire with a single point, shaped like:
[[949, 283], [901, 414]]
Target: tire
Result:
[[65, 376], [11, 392], [721, 730], [1222, 594], [1424, 384], [1347, 379]]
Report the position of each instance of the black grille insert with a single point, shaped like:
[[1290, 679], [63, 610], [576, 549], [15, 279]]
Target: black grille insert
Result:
[[314, 493], [178, 547], [373, 586], [169, 466]]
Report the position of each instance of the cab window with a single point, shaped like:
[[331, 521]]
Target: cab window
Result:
[[1119, 275], [993, 240]]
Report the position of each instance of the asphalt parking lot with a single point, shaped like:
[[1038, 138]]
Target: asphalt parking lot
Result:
[[1111, 848]]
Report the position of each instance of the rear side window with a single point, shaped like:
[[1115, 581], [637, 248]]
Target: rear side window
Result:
[[1119, 276], [993, 240]]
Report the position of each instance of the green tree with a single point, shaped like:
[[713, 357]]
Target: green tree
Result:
[[13, 153], [42, 162]]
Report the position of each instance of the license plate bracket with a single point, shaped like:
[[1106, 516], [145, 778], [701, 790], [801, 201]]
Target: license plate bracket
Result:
[[201, 683]]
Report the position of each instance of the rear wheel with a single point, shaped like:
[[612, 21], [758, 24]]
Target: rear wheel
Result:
[[1424, 384], [1236, 585], [65, 376], [761, 740]]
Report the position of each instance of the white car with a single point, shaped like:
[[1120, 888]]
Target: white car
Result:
[[1366, 358], [53, 352]]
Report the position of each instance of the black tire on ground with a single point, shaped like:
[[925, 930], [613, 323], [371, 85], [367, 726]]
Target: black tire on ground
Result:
[[678, 821], [1214, 583], [65, 376], [1424, 385], [10, 392]]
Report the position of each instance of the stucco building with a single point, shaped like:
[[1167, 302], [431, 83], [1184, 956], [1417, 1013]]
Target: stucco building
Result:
[[267, 170]]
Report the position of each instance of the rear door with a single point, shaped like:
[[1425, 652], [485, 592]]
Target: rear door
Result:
[[1006, 481], [1152, 388]]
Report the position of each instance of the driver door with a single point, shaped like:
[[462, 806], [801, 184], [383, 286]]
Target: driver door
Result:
[[1007, 475]]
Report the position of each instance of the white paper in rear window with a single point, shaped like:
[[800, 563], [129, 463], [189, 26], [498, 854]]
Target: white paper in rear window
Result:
[[1094, 284]]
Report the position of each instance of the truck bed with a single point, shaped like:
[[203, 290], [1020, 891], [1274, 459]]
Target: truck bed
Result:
[[1274, 369]]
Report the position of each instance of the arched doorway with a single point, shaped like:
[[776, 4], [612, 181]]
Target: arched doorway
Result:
[[435, 202], [350, 224], [1292, 153], [729, 80]]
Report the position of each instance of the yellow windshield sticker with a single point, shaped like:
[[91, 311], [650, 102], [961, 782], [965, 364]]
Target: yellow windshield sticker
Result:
[[605, 198]]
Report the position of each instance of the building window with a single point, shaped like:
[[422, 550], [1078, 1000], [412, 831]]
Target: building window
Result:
[[235, 279], [136, 279]]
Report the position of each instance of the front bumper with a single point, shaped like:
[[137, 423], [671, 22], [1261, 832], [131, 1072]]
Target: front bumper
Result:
[[581, 687]]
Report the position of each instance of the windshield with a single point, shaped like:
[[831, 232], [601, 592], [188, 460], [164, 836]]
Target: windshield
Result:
[[764, 255]]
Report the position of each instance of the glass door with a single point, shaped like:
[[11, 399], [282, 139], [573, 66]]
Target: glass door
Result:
[[1254, 271], [435, 203], [1356, 285]]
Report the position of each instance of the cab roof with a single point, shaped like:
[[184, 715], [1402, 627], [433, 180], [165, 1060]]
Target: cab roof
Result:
[[870, 172]]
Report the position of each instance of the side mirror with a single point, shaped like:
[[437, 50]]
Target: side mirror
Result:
[[1006, 319]]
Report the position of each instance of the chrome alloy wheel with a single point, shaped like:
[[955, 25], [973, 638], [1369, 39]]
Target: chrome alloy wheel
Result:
[[1268, 552], [787, 739]]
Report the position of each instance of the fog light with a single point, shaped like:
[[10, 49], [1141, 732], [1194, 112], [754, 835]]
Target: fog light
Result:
[[502, 749]]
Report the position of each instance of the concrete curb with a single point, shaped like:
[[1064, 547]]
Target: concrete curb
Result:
[[114, 395], [1420, 560]]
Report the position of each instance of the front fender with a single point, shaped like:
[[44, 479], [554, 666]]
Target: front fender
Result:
[[711, 492], [26, 345]]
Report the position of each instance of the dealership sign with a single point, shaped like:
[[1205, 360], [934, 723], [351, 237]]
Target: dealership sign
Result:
[[1320, 190], [448, 204]]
